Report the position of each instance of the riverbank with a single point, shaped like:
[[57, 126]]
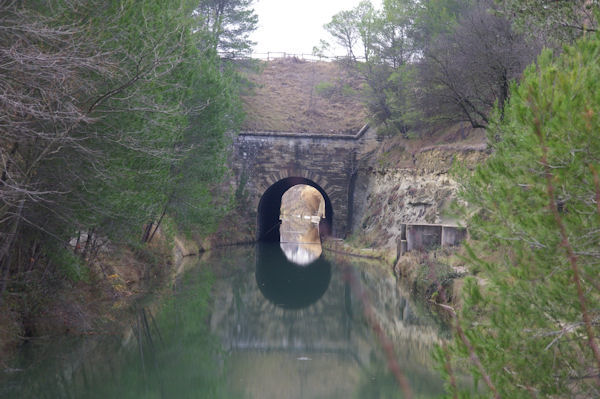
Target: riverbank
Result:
[[434, 276], [98, 303]]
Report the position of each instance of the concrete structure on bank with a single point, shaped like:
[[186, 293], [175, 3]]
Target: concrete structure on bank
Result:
[[267, 164], [429, 236]]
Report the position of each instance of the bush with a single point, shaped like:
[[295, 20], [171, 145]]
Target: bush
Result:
[[326, 89], [69, 265]]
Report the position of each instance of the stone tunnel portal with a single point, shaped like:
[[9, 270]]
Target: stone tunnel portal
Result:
[[270, 204]]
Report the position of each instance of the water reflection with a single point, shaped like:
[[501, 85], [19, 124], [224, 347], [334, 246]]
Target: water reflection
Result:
[[302, 208], [300, 253], [170, 354], [299, 240], [285, 283], [324, 348]]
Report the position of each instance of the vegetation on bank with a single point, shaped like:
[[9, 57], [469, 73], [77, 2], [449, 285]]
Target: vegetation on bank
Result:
[[426, 63], [532, 329], [529, 322], [114, 115]]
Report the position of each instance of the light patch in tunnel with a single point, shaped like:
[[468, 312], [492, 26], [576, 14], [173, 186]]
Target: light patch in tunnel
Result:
[[302, 208], [315, 207]]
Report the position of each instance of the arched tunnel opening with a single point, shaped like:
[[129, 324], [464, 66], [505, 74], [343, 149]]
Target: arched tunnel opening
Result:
[[269, 209]]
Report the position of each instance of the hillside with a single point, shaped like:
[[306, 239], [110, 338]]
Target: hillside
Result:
[[292, 95]]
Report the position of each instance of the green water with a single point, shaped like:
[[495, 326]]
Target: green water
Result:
[[247, 323]]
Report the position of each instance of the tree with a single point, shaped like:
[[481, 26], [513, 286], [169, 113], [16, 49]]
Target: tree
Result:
[[394, 42], [468, 69], [228, 24], [343, 28], [532, 328], [98, 98], [197, 203], [557, 22], [391, 72], [385, 49], [43, 65]]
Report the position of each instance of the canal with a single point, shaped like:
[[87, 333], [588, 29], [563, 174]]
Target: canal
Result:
[[264, 321]]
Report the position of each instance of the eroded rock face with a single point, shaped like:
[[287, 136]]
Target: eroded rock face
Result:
[[384, 199]]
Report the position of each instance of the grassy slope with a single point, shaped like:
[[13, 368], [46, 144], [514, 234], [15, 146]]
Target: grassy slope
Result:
[[287, 99]]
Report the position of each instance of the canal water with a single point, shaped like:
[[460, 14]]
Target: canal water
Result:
[[265, 321]]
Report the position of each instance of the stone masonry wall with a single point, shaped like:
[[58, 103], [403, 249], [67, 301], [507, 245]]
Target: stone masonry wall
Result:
[[260, 160]]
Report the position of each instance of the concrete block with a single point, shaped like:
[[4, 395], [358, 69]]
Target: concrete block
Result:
[[423, 236], [452, 235]]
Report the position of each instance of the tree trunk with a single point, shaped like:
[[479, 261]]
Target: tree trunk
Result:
[[6, 249], [88, 243], [147, 230]]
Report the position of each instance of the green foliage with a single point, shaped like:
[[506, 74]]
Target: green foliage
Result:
[[433, 62], [436, 17], [227, 25], [69, 265], [325, 89], [120, 117], [558, 22], [379, 45], [527, 323], [343, 28], [197, 204]]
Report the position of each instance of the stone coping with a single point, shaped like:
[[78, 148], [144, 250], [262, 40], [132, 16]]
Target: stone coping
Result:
[[356, 136]]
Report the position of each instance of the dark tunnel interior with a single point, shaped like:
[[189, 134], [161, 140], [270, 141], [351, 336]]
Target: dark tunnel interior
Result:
[[270, 204]]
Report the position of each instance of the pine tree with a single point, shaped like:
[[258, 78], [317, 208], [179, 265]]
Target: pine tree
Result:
[[228, 25], [530, 322]]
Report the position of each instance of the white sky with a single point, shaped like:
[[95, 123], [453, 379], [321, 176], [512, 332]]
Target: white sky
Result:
[[295, 26]]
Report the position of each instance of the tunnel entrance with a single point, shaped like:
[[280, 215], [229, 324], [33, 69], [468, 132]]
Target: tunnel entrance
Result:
[[269, 208]]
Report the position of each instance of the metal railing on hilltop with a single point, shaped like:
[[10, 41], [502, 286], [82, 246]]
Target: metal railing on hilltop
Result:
[[273, 55]]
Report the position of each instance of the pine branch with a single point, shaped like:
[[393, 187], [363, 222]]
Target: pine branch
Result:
[[472, 355], [448, 368], [550, 189], [597, 188]]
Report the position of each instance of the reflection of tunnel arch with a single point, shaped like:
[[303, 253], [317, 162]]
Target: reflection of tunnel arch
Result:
[[287, 284], [270, 205]]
